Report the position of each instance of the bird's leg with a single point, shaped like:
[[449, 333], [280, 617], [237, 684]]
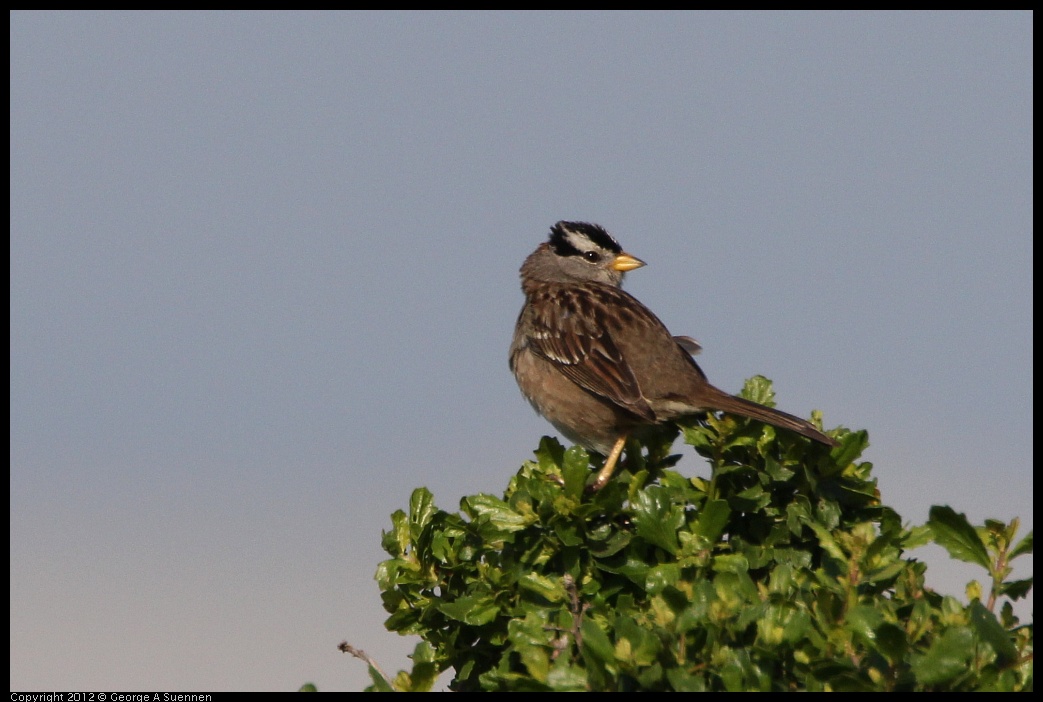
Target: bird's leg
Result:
[[610, 465]]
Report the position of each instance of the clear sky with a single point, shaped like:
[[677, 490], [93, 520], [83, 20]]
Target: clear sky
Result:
[[264, 278]]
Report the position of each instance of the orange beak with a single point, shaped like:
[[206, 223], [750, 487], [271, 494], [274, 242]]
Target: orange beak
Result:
[[625, 262]]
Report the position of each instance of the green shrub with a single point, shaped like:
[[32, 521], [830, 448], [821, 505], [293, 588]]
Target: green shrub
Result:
[[782, 571]]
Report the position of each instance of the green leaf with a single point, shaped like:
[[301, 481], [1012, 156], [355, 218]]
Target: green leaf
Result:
[[827, 542], [1024, 546], [570, 532], [616, 542], [421, 510], [697, 435], [954, 533], [596, 642], [379, 683], [759, 389], [989, 630], [891, 641], [753, 499], [662, 576], [550, 589], [781, 624], [496, 513], [396, 541], [634, 644], [425, 670], [731, 563], [575, 470], [550, 455], [634, 569], [852, 446], [863, 620], [1016, 589], [917, 537], [684, 681], [566, 678], [885, 574], [471, 610], [656, 519], [947, 657], [713, 518], [531, 640]]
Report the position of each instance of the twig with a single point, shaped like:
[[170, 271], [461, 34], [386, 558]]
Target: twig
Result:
[[345, 647]]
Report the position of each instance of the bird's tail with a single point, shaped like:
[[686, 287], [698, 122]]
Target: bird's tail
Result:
[[737, 405]]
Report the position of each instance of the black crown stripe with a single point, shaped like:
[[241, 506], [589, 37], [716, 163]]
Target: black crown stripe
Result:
[[563, 247]]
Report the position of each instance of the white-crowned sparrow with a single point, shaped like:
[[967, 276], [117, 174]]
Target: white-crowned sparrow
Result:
[[597, 363]]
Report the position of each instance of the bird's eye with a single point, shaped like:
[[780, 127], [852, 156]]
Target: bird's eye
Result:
[[592, 256]]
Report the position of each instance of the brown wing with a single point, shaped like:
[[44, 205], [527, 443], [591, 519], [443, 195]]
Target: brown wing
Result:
[[569, 332]]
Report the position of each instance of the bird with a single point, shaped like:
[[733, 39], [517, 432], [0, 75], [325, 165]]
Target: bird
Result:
[[599, 365]]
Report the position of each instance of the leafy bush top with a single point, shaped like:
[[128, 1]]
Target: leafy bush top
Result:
[[782, 571]]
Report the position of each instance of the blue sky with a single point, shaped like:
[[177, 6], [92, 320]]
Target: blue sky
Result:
[[264, 278]]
